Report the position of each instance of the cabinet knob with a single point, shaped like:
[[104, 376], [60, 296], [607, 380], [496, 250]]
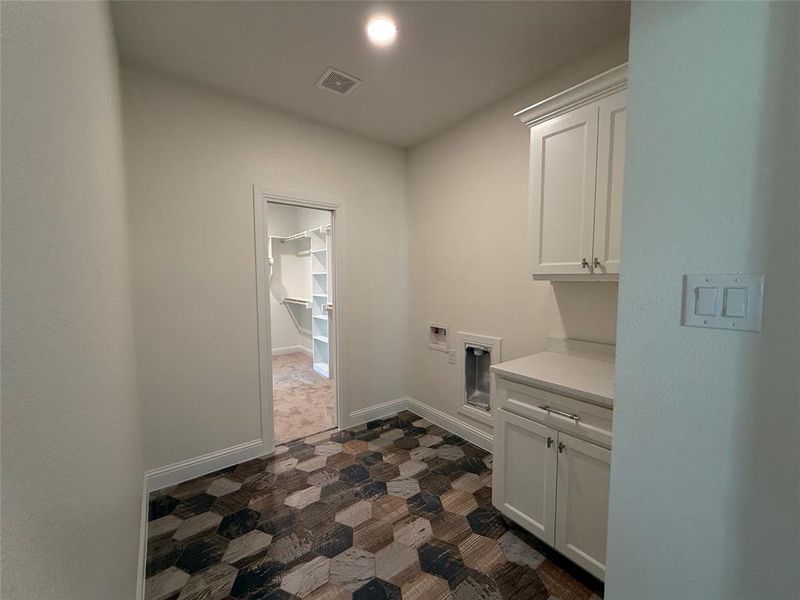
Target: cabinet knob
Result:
[[549, 441], [584, 263], [597, 264], [561, 447]]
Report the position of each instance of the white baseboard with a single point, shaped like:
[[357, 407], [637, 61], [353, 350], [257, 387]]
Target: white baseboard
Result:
[[156, 479], [379, 411], [175, 473], [385, 409], [142, 565], [469, 432], [291, 350], [483, 416]]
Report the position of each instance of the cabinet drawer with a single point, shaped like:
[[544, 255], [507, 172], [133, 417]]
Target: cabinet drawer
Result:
[[587, 420]]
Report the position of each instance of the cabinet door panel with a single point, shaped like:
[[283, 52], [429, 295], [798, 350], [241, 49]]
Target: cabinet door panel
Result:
[[524, 477], [610, 172], [582, 503], [563, 167]]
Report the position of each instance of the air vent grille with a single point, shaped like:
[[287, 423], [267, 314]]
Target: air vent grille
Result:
[[338, 81]]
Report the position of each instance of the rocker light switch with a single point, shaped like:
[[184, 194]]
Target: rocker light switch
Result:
[[723, 301], [735, 303], [705, 301]]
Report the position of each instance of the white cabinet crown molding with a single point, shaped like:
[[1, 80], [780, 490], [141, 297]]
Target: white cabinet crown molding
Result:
[[593, 89]]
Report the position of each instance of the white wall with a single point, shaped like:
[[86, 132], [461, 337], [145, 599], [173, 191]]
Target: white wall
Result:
[[286, 280], [469, 240], [704, 480], [71, 468], [192, 157]]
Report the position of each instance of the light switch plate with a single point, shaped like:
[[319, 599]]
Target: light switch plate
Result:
[[723, 301]]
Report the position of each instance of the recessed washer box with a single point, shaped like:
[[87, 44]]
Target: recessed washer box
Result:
[[437, 337]]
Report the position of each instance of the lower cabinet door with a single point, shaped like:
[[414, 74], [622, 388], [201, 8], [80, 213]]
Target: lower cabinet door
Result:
[[524, 477], [582, 503]]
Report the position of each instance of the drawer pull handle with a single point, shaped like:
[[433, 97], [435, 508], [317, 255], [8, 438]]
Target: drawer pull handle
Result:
[[549, 441], [549, 409], [561, 447]]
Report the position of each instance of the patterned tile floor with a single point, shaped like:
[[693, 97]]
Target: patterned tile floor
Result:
[[398, 509]]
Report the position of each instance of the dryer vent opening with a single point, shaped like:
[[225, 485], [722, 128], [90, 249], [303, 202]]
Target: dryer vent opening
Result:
[[477, 360]]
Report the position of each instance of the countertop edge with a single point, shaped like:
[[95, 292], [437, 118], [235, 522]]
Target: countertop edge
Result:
[[554, 387]]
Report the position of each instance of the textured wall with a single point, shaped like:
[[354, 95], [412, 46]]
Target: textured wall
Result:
[[71, 468], [469, 244], [704, 477], [192, 157]]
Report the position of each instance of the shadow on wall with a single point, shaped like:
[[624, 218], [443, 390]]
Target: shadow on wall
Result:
[[586, 310], [767, 496]]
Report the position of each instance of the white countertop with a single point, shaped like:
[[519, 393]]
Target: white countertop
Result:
[[582, 378]]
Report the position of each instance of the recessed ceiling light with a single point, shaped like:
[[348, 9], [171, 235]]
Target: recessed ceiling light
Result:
[[381, 31]]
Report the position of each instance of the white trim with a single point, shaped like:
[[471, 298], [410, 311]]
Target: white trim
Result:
[[378, 411], [162, 477], [495, 345], [461, 428], [597, 87], [576, 277], [260, 195], [484, 416], [291, 350], [142, 563], [470, 433], [264, 345]]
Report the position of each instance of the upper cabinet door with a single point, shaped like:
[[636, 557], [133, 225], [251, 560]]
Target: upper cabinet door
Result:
[[610, 166], [562, 180], [582, 503], [524, 473]]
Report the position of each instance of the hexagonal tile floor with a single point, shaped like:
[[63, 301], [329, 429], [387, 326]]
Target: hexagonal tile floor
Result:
[[397, 509]]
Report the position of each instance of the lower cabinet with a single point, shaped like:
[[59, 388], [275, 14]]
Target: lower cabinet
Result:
[[582, 502], [524, 475], [554, 485]]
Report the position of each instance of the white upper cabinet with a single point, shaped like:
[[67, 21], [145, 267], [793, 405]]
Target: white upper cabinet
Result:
[[563, 163], [608, 195], [576, 174]]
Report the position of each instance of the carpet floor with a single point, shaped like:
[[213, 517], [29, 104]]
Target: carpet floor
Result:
[[302, 399]]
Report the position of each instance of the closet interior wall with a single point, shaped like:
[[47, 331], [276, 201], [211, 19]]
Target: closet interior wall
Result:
[[291, 324]]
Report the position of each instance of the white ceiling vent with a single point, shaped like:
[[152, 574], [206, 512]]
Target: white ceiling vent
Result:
[[338, 81]]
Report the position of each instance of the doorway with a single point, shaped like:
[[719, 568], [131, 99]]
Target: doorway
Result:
[[296, 291]]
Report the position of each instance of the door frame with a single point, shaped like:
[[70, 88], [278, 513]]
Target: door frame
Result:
[[260, 196]]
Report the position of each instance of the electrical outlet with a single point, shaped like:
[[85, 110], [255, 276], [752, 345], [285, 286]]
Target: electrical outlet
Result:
[[451, 357]]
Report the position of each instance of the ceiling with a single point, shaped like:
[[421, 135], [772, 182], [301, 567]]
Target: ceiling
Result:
[[450, 58]]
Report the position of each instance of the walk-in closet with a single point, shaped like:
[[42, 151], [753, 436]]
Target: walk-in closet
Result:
[[299, 263]]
